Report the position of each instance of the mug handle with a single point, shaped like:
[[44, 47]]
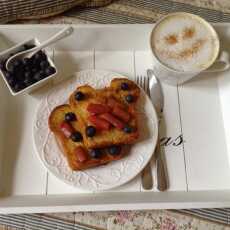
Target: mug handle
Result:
[[223, 61]]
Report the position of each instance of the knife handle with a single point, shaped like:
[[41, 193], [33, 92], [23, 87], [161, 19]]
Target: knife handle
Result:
[[147, 177], [162, 180]]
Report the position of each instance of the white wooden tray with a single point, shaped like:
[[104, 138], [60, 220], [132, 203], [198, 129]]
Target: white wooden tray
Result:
[[199, 168]]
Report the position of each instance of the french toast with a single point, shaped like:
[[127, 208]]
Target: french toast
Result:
[[91, 129], [73, 150], [119, 113]]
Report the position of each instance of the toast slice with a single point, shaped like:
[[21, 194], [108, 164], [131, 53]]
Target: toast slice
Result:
[[71, 148], [116, 99]]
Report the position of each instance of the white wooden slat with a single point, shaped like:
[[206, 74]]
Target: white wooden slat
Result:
[[115, 201], [3, 120], [117, 61], [120, 62], [207, 159], [74, 61], [224, 92], [85, 37], [69, 62], [170, 128], [132, 186], [57, 187], [23, 172]]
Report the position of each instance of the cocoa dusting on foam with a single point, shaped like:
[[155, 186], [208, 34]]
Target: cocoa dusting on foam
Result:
[[186, 53], [193, 50], [171, 39], [188, 33]]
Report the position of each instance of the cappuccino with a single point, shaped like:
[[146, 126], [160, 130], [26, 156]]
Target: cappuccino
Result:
[[185, 43]]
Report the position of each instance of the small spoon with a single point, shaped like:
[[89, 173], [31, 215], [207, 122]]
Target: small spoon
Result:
[[29, 53]]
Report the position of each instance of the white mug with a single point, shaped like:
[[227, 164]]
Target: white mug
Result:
[[175, 77]]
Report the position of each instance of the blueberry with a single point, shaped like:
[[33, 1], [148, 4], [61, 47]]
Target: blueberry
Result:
[[34, 70], [28, 74], [28, 81], [50, 70], [3, 65], [40, 55], [35, 63], [20, 76], [95, 153], [18, 86], [90, 131], [79, 96], [128, 129], [114, 150], [43, 55], [26, 61], [28, 68], [42, 74], [11, 81], [76, 137], [13, 73], [11, 69], [37, 76], [44, 64], [129, 98], [70, 117], [17, 63], [8, 75], [124, 86]]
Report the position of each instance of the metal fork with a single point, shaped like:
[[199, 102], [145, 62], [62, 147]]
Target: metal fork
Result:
[[146, 175]]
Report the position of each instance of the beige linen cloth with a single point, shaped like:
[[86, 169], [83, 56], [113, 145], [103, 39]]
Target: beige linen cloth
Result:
[[32, 9]]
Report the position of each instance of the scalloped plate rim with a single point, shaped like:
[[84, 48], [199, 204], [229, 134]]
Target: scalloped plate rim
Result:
[[49, 168]]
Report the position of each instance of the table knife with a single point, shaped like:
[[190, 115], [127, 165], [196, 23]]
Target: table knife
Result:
[[157, 98]]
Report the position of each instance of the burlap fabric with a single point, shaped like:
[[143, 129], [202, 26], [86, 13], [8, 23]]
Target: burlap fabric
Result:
[[11, 10]]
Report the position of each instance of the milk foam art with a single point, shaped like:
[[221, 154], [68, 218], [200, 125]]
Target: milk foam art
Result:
[[185, 43]]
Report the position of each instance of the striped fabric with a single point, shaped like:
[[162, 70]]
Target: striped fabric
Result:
[[218, 215], [39, 222], [148, 11], [45, 222], [96, 3], [25, 9]]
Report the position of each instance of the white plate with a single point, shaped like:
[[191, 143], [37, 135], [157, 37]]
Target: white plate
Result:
[[104, 177]]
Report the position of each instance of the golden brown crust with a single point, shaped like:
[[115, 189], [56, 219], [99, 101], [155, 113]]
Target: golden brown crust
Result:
[[102, 139], [67, 146], [113, 136]]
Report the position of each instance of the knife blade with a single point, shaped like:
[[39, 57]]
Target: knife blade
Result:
[[156, 93]]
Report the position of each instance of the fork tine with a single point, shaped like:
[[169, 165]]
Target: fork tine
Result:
[[136, 79], [141, 82], [145, 84], [148, 92]]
